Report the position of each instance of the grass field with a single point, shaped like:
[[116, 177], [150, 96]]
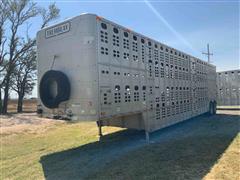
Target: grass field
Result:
[[200, 148], [228, 107]]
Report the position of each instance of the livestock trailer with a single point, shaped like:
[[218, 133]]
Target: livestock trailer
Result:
[[228, 87], [92, 69]]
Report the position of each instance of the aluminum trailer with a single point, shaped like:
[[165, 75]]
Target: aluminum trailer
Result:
[[92, 69], [228, 88]]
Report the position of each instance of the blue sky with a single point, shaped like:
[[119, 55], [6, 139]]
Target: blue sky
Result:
[[197, 23], [184, 25]]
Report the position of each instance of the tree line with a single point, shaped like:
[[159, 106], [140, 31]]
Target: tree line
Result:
[[17, 49]]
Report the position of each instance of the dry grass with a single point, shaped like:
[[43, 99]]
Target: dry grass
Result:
[[228, 166], [202, 148], [29, 105], [205, 149], [236, 107]]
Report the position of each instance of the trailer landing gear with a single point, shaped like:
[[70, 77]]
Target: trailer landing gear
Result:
[[212, 107], [99, 124], [147, 136]]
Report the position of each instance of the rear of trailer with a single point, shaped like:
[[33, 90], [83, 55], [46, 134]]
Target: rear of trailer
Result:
[[228, 88], [92, 69]]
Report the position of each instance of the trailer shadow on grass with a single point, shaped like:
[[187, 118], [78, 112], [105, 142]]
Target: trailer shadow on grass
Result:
[[186, 150]]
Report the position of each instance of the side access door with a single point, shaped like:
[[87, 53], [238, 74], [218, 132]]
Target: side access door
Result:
[[105, 101]]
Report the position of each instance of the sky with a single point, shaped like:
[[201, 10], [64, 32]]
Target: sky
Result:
[[185, 25]]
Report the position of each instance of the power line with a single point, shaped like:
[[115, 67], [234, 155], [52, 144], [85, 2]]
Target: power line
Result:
[[208, 53]]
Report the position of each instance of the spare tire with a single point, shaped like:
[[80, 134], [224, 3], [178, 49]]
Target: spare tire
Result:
[[54, 88]]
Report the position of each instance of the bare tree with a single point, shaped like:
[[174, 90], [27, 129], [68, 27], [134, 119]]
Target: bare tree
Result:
[[20, 12], [3, 39], [24, 76], [49, 15], [3, 18]]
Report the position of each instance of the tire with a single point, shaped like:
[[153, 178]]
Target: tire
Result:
[[62, 88]]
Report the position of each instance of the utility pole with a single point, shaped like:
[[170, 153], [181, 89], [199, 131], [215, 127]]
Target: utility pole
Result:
[[208, 53]]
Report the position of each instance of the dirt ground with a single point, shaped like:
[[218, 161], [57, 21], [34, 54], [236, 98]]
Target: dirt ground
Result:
[[25, 123]]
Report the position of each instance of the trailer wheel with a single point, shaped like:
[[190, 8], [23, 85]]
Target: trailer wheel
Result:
[[54, 88]]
